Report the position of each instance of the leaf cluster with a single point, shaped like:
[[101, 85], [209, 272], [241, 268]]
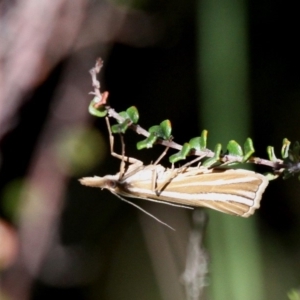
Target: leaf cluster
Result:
[[197, 146]]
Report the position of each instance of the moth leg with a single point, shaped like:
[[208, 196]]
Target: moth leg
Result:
[[174, 173], [158, 190], [162, 155], [153, 182], [136, 165], [185, 166], [162, 186], [131, 160], [122, 157]]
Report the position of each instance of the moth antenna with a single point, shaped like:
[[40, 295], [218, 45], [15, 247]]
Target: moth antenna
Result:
[[144, 211], [164, 202]]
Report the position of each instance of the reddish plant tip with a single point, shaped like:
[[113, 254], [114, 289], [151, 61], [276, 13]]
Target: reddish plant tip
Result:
[[103, 101]]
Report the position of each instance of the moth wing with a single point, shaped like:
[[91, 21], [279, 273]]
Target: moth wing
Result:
[[236, 192]]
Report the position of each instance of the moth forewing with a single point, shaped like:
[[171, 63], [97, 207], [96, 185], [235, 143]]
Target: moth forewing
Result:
[[236, 192]]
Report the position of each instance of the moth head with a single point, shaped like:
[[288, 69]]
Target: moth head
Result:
[[107, 182]]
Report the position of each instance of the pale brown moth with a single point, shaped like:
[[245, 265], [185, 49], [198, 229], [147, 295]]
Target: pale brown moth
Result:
[[232, 191]]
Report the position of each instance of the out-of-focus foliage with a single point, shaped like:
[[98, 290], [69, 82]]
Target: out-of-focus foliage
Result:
[[80, 150], [294, 295], [11, 197]]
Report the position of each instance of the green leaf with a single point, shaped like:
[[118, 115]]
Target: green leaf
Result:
[[166, 129], [148, 142], [124, 115], [271, 153], [155, 130], [285, 148], [211, 161], [133, 114], [199, 143], [294, 294], [234, 149], [120, 128], [163, 130], [182, 154], [130, 116], [99, 111], [248, 149]]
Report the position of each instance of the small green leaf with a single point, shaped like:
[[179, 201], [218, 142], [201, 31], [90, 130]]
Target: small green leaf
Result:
[[203, 139], [285, 148], [234, 149], [124, 115], [163, 130], [271, 176], [148, 142], [211, 161], [133, 114], [155, 130], [195, 143], [120, 128], [115, 128], [271, 153], [199, 143], [182, 154], [130, 116], [166, 129], [99, 111], [294, 294], [248, 149]]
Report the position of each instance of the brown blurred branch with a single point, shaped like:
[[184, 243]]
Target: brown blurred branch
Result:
[[34, 36]]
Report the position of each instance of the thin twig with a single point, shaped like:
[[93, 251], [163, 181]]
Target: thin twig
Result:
[[277, 165]]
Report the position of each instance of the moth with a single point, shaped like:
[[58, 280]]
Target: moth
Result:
[[235, 192], [232, 191]]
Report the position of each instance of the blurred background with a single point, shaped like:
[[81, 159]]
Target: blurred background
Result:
[[231, 67]]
